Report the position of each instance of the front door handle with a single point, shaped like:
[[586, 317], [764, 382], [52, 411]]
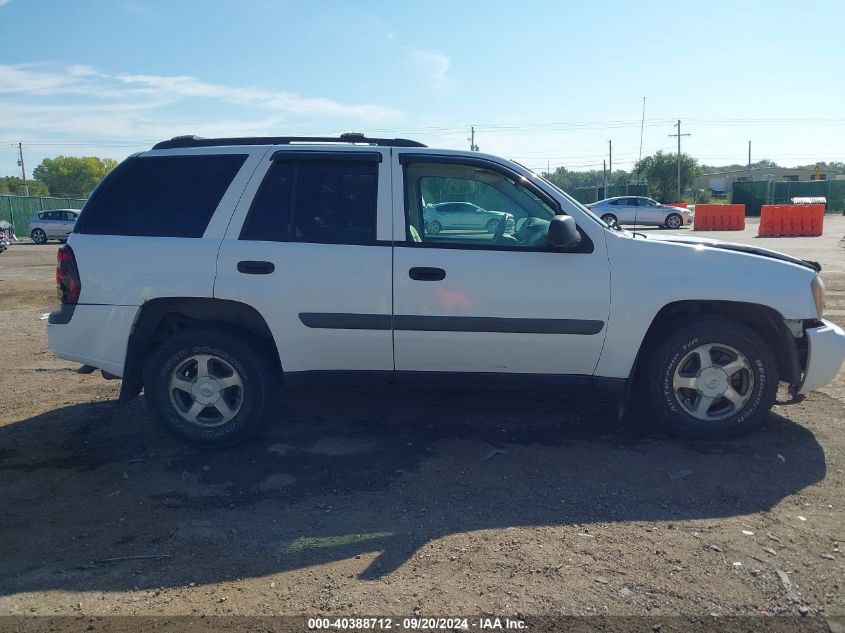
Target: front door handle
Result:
[[256, 268], [424, 273]]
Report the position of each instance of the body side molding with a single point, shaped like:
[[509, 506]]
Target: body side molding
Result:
[[419, 323]]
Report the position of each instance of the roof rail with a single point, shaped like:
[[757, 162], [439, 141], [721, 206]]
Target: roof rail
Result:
[[349, 137]]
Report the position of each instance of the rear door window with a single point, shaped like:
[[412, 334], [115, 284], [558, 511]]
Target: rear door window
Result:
[[160, 196], [321, 201]]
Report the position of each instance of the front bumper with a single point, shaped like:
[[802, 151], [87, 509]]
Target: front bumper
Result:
[[825, 354]]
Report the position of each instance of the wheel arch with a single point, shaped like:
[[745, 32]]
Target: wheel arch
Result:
[[158, 318], [767, 321]]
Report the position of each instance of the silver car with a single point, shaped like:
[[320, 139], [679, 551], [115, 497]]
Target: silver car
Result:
[[52, 225], [640, 210], [462, 215]]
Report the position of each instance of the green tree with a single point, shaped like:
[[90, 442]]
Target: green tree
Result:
[[14, 185], [569, 181], [661, 171], [73, 175], [836, 167], [709, 169]]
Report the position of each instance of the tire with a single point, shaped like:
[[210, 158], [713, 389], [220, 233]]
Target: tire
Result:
[[38, 236], [683, 409], [492, 225], [610, 219], [673, 221], [229, 356], [434, 227]]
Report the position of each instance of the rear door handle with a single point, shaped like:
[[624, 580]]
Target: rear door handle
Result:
[[423, 273], [256, 268]]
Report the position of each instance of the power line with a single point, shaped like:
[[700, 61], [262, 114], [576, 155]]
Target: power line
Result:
[[496, 127]]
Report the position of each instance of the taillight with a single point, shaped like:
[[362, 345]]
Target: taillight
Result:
[[68, 284]]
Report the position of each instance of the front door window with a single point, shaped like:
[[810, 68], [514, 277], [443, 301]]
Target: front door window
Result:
[[463, 204]]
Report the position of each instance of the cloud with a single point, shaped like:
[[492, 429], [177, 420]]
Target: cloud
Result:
[[24, 78], [80, 100], [2, 2], [435, 65], [178, 87], [137, 9]]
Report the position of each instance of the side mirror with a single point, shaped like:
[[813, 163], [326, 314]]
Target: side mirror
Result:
[[563, 233]]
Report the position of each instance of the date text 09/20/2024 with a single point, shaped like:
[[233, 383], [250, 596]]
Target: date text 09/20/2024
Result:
[[416, 623]]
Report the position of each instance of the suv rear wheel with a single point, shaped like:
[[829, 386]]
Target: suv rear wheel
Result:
[[714, 378], [208, 386]]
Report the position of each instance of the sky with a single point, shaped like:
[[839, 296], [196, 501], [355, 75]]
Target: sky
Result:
[[546, 83]]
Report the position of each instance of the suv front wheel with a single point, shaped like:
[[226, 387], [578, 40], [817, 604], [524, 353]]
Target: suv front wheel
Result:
[[208, 386], [712, 378]]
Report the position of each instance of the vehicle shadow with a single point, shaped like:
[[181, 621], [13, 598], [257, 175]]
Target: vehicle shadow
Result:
[[95, 497]]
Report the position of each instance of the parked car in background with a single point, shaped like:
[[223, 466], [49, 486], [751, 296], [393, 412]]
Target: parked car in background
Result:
[[52, 225], [462, 215], [6, 235], [640, 210]]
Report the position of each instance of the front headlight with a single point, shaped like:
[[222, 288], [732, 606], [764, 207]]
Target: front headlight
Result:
[[817, 285]]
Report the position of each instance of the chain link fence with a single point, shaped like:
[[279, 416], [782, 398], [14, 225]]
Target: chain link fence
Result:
[[755, 194], [17, 210]]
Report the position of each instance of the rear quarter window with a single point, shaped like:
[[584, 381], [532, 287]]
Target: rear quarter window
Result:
[[160, 196]]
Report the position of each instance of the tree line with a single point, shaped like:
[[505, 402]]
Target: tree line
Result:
[[74, 176], [660, 172]]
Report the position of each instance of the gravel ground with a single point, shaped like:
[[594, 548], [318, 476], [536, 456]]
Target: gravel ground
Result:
[[390, 501]]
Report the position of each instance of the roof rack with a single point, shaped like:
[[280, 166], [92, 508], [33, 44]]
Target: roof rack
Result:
[[349, 137]]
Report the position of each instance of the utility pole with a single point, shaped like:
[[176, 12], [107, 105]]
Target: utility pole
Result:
[[750, 176], [472, 146], [639, 160], [23, 169], [610, 150], [604, 177], [679, 135]]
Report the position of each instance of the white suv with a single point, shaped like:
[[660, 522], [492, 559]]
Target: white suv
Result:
[[208, 271]]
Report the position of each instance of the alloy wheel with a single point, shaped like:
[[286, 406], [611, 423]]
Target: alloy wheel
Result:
[[205, 390], [713, 381]]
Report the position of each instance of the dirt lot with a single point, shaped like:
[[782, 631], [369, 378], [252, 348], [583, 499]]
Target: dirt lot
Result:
[[398, 502]]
